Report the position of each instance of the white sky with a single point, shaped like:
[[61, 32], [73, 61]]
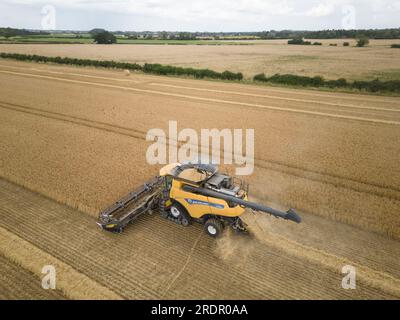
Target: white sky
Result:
[[203, 15]]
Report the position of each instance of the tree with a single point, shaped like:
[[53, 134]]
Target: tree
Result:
[[96, 31], [104, 37], [185, 36], [362, 41], [163, 35], [133, 36], [299, 40], [9, 32]]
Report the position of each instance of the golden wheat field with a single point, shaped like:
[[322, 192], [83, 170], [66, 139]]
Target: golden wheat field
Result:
[[73, 141], [272, 56]]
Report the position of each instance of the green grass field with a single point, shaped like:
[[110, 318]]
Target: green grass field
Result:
[[47, 39]]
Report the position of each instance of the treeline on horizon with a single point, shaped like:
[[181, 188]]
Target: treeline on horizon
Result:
[[12, 32], [391, 33], [158, 69]]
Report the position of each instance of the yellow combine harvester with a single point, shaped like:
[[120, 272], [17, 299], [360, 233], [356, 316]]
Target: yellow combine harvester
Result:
[[189, 192]]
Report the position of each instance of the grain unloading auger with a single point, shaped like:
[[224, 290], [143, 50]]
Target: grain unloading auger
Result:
[[186, 193]]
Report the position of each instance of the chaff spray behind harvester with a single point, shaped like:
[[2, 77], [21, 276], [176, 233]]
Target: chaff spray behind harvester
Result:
[[189, 192]]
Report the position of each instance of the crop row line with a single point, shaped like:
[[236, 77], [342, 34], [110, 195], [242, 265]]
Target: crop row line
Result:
[[262, 90], [247, 94], [211, 100], [319, 102]]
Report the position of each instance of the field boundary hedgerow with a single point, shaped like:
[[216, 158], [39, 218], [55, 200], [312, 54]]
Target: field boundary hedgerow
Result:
[[371, 86], [146, 68], [375, 85]]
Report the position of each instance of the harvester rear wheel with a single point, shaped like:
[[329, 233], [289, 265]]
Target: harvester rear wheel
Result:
[[213, 227]]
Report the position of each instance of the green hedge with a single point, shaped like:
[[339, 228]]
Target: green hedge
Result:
[[71, 61], [147, 68], [339, 83], [196, 73], [395, 45], [371, 86], [377, 85], [297, 80], [260, 77], [299, 42]]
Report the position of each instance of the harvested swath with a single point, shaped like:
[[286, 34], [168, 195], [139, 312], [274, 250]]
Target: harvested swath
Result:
[[339, 239], [73, 284], [155, 258], [376, 279], [17, 283]]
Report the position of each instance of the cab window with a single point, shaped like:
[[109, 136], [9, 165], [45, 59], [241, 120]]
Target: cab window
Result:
[[168, 182]]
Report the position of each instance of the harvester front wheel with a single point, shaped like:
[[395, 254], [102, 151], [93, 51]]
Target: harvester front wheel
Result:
[[178, 212], [213, 227]]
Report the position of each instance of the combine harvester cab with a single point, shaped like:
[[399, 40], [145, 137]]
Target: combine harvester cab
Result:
[[184, 193]]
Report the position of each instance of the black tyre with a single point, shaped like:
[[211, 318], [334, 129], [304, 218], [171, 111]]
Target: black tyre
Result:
[[179, 212], [213, 227]]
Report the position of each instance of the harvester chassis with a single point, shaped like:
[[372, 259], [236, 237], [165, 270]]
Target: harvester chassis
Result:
[[213, 201]]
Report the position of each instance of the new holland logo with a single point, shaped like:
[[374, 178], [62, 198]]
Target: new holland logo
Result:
[[204, 203]]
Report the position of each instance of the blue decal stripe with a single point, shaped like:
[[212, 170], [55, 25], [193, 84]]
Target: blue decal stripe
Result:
[[204, 203]]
